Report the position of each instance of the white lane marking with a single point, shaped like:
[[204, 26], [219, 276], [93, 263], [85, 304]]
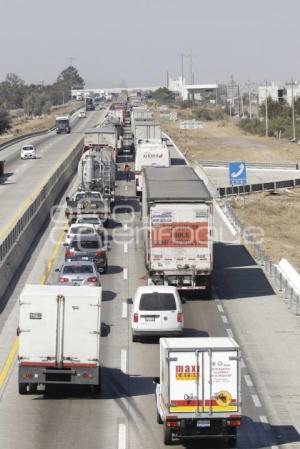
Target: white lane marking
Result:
[[220, 308], [126, 187], [124, 310], [125, 248], [124, 360], [264, 420], [243, 366], [248, 380], [224, 319], [125, 227], [125, 274], [122, 436], [256, 400], [229, 333]]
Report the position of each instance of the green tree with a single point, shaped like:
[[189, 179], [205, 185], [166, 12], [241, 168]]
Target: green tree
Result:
[[275, 109], [71, 78], [5, 121], [163, 95]]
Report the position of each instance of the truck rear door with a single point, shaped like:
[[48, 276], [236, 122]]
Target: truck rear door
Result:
[[37, 330], [203, 381], [81, 331]]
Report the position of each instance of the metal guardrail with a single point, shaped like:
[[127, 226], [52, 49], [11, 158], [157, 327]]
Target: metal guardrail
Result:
[[259, 187], [13, 235], [275, 276], [258, 165]]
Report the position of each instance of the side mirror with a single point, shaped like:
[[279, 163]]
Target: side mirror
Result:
[[67, 198], [183, 300], [65, 244], [56, 270], [65, 231], [156, 380]]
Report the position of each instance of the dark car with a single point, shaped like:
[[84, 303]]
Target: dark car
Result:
[[88, 248]]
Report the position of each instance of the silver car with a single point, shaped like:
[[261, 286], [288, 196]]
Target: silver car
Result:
[[79, 273]]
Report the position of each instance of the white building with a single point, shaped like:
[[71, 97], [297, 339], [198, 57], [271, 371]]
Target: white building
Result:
[[289, 93], [276, 91], [190, 91]]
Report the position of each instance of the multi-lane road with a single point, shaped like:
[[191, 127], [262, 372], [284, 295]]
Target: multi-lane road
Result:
[[124, 416]]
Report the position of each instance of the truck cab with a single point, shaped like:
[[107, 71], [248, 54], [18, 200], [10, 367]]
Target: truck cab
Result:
[[62, 124]]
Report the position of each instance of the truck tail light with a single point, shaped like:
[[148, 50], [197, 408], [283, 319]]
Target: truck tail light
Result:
[[179, 317], [234, 421], [27, 376], [92, 279], [100, 253], [63, 280], [173, 423], [70, 253], [135, 317]]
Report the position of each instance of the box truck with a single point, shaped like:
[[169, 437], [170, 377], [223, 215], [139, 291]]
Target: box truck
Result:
[[59, 337], [198, 393], [149, 154], [178, 219], [146, 130]]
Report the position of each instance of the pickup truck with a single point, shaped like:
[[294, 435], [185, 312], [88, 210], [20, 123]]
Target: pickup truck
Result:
[[87, 202]]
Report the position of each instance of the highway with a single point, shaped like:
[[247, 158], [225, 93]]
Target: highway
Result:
[[25, 177], [124, 415]]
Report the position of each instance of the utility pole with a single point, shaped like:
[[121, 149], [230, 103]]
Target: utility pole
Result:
[[191, 67], [182, 55], [167, 80], [250, 99], [266, 108], [293, 112], [70, 58]]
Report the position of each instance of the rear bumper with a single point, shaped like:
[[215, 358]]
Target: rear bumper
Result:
[[158, 333], [51, 375], [100, 264], [218, 429]]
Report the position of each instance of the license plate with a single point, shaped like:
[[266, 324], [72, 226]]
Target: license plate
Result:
[[203, 423], [150, 318], [85, 258]]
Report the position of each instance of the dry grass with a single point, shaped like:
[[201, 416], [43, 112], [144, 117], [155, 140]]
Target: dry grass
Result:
[[25, 125], [278, 215], [224, 140]]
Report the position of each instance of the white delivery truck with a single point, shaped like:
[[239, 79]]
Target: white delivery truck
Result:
[[102, 136], [178, 219], [146, 130], [59, 336], [151, 153], [198, 393]]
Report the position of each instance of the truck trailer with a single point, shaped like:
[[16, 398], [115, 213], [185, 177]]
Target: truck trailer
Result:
[[198, 393], [59, 337], [146, 130], [178, 219]]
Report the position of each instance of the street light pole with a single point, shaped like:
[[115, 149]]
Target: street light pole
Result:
[[293, 112], [266, 108]]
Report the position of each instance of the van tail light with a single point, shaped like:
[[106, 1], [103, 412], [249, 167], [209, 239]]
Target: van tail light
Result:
[[100, 253], [70, 253], [179, 317], [137, 182], [63, 280], [92, 279], [135, 317], [234, 421]]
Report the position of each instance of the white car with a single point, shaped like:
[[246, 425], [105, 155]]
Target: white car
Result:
[[76, 229], [82, 114], [91, 220], [28, 152], [157, 311]]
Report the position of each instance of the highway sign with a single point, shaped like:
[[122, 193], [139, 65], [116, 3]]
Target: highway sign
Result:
[[237, 173], [191, 124]]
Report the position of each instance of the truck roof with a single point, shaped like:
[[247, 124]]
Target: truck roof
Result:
[[44, 291], [102, 130], [174, 183], [198, 343], [62, 117]]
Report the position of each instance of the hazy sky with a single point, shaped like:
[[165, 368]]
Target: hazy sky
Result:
[[137, 41]]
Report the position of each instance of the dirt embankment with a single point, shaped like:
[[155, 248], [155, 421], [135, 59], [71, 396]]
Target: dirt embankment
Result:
[[224, 140], [25, 125], [278, 215]]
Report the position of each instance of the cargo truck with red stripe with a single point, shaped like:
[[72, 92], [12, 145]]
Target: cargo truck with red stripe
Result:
[[177, 220], [198, 393], [59, 337]]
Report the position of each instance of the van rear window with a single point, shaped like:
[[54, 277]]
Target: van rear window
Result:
[[157, 301]]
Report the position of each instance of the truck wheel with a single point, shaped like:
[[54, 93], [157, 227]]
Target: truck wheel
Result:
[[105, 269], [231, 442], [167, 435], [158, 418], [135, 339], [22, 388]]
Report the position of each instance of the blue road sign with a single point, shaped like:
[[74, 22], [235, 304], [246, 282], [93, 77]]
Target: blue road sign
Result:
[[237, 173]]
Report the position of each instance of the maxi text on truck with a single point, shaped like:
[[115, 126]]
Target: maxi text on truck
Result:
[[62, 124], [59, 336], [178, 218], [198, 393]]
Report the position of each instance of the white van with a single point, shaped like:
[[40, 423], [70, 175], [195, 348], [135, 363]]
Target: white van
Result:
[[157, 311]]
